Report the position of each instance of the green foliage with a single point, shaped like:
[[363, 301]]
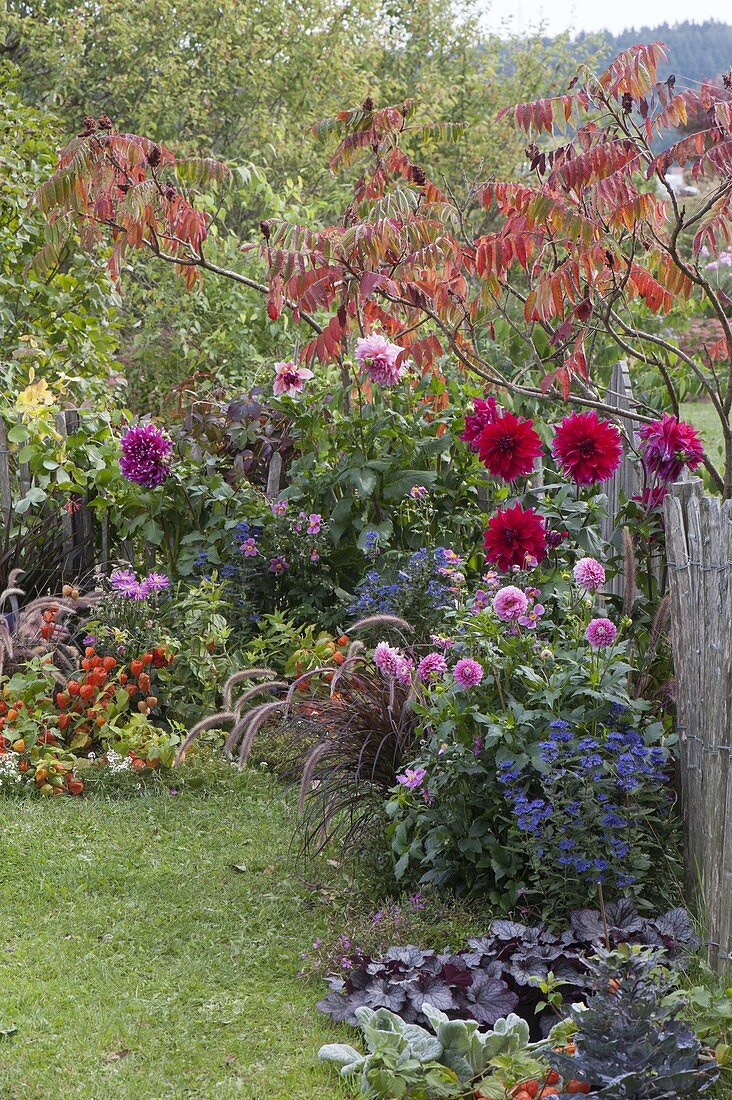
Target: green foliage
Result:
[[405, 1060]]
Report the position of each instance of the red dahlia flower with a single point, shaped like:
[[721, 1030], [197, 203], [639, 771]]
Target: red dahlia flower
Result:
[[509, 447], [668, 445], [514, 536], [485, 412], [588, 449]]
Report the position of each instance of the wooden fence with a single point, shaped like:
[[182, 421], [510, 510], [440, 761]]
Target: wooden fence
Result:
[[699, 553]]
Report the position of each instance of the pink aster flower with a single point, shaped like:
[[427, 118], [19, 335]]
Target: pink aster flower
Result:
[[156, 582], [432, 666], [380, 359], [510, 603], [468, 673], [601, 633], [412, 778], [146, 455], [279, 507], [290, 379], [589, 574], [387, 659], [531, 618]]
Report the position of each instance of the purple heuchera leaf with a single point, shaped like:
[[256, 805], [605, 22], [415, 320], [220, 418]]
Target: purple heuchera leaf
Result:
[[489, 999], [342, 1009]]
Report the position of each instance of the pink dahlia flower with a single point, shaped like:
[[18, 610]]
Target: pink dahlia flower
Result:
[[601, 633], [510, 603], [468, 673], [387, 660], [381, 359], [589, 574], [290, 379], [668, 445], [431, 667]]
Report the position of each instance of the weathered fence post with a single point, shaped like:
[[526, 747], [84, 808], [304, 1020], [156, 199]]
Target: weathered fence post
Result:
[[6, 496], [699, 552], [76, 522], [625, 482]]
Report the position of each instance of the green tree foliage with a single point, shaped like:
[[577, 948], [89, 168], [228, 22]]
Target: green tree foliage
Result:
[[60, 319]]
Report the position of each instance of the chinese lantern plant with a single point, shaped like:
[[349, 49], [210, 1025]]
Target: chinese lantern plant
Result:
[[323, 650]]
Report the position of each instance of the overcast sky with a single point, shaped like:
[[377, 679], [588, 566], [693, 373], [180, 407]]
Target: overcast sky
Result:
[[614, 15]]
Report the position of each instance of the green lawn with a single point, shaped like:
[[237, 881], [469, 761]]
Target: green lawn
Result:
[[137, 962], [704, 418]]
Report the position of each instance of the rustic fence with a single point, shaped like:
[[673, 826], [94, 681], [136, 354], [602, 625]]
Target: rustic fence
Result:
[[699, 553]]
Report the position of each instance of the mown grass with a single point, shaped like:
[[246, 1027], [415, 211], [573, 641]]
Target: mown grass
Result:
[[137, 962], [704, 418]]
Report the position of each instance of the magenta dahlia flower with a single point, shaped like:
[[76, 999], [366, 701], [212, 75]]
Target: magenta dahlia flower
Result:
[[380, 359], [589, 574], [468, 673], [601, 633], [668, 445], [485, 411], [290, 379], [510, 603], [146, 455]]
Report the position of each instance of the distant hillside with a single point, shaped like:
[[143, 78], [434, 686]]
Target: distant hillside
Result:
[[697, 51]]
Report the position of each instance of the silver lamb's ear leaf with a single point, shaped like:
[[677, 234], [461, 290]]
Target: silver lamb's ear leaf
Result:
[[364, 1015], [340, 1053], [425, 1048], [435, 1016]]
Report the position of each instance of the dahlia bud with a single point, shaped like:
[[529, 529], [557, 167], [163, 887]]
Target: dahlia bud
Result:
[[154, 156]]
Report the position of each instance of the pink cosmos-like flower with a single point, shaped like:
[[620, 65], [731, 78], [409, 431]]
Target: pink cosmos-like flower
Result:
[[412, 778], [531, 618], [290, 379], [249, 548], [156, 582], [431, 666], [481, 600], [510, 603], [314, 523], [468, 673], [387, 659], [278, 565], [589, 574], [601, 633], [419, 492], [314, 555], [146, 454], [279, 507], [380, 359], [668, 445]]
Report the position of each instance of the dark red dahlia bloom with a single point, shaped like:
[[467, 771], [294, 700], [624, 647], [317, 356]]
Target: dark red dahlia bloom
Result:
[[509, 447], [588, 449], [485, 411], [515, 536], [668, 445]]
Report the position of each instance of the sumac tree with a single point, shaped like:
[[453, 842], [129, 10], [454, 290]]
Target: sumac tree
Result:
[[590, 245]]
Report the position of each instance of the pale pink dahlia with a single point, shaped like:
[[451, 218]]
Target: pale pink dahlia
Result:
[[601, 633], [468, 673], [380, 359], [589, 574], [510, 603]]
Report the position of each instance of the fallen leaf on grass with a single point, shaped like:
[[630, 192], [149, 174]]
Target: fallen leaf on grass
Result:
[[116, 1055]]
